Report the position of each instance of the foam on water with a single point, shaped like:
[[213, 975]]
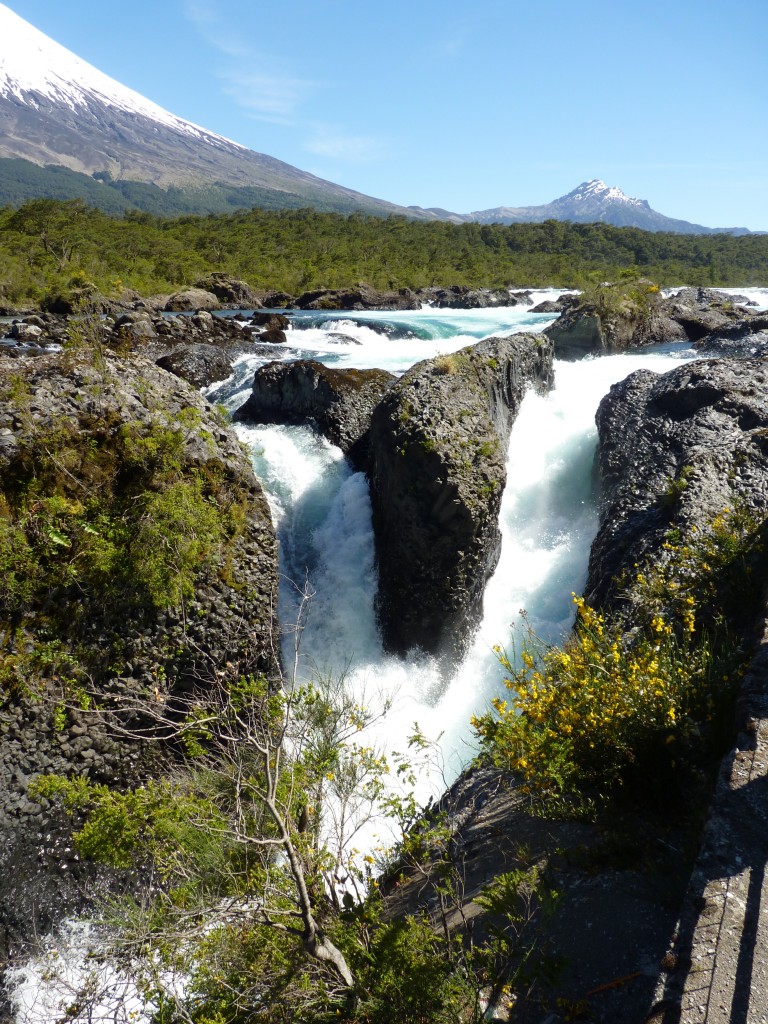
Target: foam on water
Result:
[[548, 520]]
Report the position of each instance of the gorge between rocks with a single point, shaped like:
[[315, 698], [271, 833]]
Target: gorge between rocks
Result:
[[322, 512]]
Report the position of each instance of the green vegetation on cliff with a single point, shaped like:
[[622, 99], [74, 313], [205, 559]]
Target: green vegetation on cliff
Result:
[[47, 242], [636, 699], [103, 518]]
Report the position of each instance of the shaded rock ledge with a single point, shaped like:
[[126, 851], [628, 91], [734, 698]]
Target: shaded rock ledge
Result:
[[438, 443], [339, 403]]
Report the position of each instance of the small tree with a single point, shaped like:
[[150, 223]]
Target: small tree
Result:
[[233, 836]]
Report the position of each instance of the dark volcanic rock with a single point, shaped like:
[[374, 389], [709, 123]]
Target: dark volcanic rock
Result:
[[272, 336], [230, 291], [674, 451], [462, 297], [438, 443], [271, 321], [585, 328], [746, 337], [115, 645], [201, 365], [555, 305], [361, 297], [703, 311], [338, 403], [277, 300]]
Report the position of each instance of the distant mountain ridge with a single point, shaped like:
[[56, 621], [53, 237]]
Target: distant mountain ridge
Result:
[[594, 201], [58, 110], [67, 130], [590, 202]]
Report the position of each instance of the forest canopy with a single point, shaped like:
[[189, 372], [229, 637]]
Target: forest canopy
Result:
[[49, 245]]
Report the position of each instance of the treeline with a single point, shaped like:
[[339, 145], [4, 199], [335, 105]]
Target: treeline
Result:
[[49, 245]]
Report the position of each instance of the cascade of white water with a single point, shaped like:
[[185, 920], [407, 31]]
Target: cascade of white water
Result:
[[548, 519]]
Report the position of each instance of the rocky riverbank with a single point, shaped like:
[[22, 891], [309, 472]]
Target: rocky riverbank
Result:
[[102, 460]]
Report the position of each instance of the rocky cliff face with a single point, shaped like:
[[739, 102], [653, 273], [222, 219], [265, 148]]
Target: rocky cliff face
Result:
[[79, 440], [438, 445], [675, 450]]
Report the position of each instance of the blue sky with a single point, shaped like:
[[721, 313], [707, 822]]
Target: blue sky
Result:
[[457, 105]]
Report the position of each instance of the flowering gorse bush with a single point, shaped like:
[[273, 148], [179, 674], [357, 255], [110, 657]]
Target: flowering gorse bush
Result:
[[623, 701]]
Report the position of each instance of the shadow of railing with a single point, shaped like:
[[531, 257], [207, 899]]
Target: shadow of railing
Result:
[[723, 930]]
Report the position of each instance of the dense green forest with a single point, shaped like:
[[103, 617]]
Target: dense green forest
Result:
[[21, 181], [48, 246]]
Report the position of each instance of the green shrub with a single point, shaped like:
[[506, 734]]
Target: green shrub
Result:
[[627, 701]]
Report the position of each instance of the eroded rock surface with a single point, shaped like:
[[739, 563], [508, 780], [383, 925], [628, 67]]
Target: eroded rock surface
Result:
[[438, 443], [338, 403], [124, 646], [675, 450]]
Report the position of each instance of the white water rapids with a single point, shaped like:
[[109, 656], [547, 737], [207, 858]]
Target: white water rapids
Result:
[[322, 515]]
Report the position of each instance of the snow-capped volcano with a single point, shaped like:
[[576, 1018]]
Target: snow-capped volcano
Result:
[[595, 201], [596, 191], [56, 109], [35, 68]]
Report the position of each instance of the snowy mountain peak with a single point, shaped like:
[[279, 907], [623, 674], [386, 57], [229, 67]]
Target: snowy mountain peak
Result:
[[33, 67], [57, 110], [597, 189]]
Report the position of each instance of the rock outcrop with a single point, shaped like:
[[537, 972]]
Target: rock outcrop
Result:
[[459, 296], [360, 297], [615, 321], [338, 403], [230, 291], [191, 299], [199, 364], [619, 317], [85, 429], [675, 450], [438, 442], [703, 311]]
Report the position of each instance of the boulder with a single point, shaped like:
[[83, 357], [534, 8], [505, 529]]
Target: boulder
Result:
[[615, 319], [26, 332], [277, 300], [271, 321], [338, 403], [557, 305], [230, 291], [703, 311], [675, 450], [191, 299], [199, 364], [437, 458]]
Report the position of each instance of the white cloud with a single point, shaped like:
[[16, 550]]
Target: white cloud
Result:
[[268, 97], [265, 95], [336, 144]]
